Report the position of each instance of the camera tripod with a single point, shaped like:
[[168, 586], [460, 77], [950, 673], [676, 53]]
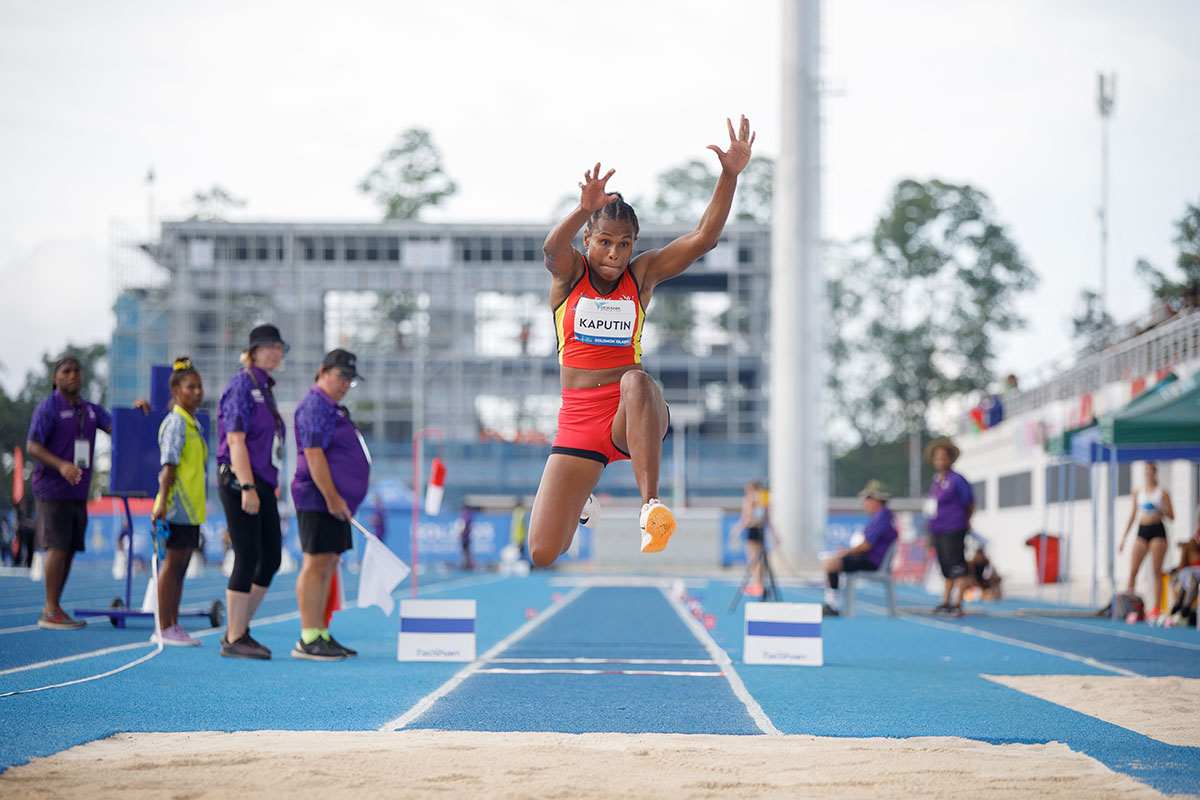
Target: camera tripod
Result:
[[770, 590]]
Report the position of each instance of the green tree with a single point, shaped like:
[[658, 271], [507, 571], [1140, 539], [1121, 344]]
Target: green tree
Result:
[[674, 316], [1090, 320], [915, 308], [1186, 290], [409, 177], [214, 203], [683, 192]]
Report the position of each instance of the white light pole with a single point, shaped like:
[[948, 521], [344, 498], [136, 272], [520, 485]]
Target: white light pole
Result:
[[1104, 103], [798, 460]]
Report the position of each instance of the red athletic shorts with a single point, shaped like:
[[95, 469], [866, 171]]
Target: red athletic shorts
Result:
[[585, 424]]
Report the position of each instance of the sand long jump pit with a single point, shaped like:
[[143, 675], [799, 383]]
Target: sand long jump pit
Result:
[[451, 764]]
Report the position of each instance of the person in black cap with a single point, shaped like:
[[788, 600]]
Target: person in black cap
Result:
[[333, 469], [250, 435]]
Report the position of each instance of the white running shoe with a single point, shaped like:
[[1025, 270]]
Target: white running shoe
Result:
[[658, 523], [590, 513]]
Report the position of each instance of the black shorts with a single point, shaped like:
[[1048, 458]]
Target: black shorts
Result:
[[858, 562], [322, 532], [1155, 530], [951, 553], [183, 536], [754, 535], [61, 524]]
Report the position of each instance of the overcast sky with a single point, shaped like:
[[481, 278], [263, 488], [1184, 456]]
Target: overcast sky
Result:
[[289, 104]]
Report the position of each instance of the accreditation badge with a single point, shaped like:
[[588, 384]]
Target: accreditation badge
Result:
[[929, 507], [83, 453], [277, 451]]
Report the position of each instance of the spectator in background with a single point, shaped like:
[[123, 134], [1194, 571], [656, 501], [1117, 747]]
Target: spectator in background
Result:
[[378, 518], [754, 520], [1151, 505], [464, 535], [62, 438], [26, 525], [867, 555], [948, 507]]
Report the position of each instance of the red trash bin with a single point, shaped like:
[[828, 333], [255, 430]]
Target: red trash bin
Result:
[[1047, 557]]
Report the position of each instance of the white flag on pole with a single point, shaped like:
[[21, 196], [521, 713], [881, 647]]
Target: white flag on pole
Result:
[[382, 571]]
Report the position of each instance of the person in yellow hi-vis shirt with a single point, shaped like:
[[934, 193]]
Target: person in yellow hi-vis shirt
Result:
[[181, 496]]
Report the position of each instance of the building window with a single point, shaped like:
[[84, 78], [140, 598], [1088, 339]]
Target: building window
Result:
[[1059, 475], [241, 248], [530, 247], [372, 248], [1015, 490], [485, 249], [745, 254], [329, 248], [506, 248], [308, 248], [980, 491], [262, 251], [352, 249], [393, 248]]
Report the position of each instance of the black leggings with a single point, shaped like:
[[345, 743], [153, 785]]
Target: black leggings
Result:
[[256, 539]]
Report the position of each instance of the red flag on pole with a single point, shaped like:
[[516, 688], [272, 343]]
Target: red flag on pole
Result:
[[337, 595], [436, 488], [18, 476]]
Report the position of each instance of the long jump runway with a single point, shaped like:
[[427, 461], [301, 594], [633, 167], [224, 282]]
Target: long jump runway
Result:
[[599, 687]]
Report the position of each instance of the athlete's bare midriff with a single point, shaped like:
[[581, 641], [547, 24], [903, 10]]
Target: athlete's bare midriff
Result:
[[576, 378]]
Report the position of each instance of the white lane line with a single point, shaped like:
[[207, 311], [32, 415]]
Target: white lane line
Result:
[[426, 702], [679, 661], [133, 645], [668, 673], [722, 658], [967, 629], [1141, 637]]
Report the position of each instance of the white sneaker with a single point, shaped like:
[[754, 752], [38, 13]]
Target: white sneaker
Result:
[[590, 513], [658, 523]]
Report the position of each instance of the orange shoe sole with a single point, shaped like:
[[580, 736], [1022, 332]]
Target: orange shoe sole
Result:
[[660, 524]]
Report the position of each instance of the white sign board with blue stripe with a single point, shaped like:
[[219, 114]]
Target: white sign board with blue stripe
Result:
[[783, 633], [437, 630]]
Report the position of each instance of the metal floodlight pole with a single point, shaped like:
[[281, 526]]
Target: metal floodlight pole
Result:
[[1104, 103]]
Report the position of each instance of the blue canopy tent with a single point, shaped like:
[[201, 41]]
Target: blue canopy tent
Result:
[[1162, 427]]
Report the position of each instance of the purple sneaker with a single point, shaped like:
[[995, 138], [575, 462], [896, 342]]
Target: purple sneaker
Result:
[[176, 636]]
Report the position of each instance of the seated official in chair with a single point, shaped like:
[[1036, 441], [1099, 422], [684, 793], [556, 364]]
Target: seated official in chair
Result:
[[868, 554]]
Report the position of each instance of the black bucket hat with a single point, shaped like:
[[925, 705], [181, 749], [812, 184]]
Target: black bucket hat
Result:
[[265, 335]]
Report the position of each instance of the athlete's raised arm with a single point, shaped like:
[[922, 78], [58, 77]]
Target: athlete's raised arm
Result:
[[655, 266], [563, 260]]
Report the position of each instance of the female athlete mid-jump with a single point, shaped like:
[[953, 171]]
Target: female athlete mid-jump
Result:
[[611, 409]]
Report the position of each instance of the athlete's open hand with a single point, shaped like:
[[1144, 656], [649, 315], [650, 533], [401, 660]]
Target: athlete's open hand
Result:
[[593, 196], [735, 159]]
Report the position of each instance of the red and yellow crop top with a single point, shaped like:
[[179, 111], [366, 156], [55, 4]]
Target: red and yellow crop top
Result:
[[599, 331]]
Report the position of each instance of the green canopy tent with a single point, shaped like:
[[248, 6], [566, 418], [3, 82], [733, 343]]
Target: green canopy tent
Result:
[[1164, 428], [1076, 446]]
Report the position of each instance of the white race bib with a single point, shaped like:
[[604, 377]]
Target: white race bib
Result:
[[605, 322]]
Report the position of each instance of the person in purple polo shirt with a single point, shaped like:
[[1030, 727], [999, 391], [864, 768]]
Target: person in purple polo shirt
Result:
[[333, 469], [948, 507], [62, 439], [250, 439], [867, 555]]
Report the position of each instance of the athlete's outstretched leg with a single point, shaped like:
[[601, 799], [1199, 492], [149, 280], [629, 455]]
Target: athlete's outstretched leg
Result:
[[566, 483], [638, 429]]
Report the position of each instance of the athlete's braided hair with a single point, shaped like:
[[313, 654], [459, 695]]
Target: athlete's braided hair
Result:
[[618, 210]]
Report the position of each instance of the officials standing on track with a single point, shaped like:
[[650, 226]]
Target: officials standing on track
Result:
[[250, 436], [62, 439], [948, 507], [333, 470], [612, 410]]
